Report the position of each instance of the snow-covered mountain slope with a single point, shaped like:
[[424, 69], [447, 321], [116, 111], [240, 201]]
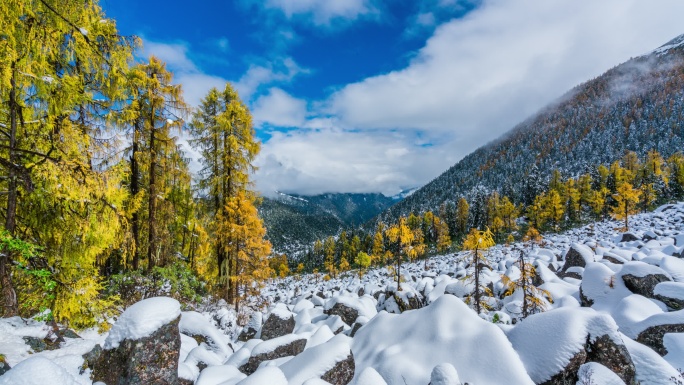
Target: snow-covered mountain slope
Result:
[[615, 316], [294, 222], [636, 106]]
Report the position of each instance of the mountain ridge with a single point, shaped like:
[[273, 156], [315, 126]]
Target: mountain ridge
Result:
[[634, 106]]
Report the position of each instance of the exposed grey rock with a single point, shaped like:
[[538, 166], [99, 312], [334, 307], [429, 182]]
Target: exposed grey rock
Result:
[[644, 285], [91, 358], [604, 351], [348, 314], [247, 333], [291, 349], [673, 304], [413, 302], [342, 373], [568, 376], [574, 258], [41, 344], [584, 301], [613, 356], [355, 328], [277, 327], [148, 360], [628, 237], [612, 259], [653, 336]]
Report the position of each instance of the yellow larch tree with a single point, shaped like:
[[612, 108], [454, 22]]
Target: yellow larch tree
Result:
[[626, 201], [534, 298], [247, 247], [404, 245], [477, 242]]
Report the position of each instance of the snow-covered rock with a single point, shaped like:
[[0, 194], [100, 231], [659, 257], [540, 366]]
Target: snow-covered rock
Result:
[[553, 345], [405, 348]]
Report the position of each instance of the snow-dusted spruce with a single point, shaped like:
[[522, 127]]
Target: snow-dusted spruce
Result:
[[605, 325]]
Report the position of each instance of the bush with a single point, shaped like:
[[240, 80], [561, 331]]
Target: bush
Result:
[[176, 281]]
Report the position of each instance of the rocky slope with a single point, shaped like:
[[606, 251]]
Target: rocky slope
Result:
[[614, 314]]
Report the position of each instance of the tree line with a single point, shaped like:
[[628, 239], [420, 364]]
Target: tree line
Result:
[[546, 204], [94, 181]]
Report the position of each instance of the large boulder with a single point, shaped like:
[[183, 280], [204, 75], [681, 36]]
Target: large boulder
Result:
[[628, 237], [645, 284], [143, 346], [554, 345], [342, 373], [578, 256], [350, 308], [289, 345], [280, 322], [348, 314]]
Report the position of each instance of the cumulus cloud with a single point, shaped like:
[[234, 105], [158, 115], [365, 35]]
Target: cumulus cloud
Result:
[[475, 78], [278, 108], [333, 160], [481, 74]]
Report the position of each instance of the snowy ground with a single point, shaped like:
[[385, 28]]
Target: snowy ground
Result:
[[441, 340]]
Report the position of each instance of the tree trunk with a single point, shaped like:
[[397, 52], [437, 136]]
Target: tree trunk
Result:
[[9, 296], [152, 240], [524, 284], [135, 189], [477, 283]]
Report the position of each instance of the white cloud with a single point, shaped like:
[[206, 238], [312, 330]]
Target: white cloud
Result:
[[196, 84], [175, 55], [278, 108], [276, 71], [321, 12], [333, 160], [478, 76]]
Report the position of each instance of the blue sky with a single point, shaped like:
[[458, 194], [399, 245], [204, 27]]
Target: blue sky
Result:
[[380, 96]]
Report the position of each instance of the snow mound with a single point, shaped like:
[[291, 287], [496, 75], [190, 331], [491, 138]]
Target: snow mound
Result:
[[316, 361], [214, 375], [444, 374], [38, 370], [670, 290], [364, 305], [548, 341], [651, 368], [142, 319], [370, 376], [405, 348], [193, 323], [270, 375], [595, 373]]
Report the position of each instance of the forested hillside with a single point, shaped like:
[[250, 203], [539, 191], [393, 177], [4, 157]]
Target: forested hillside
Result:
[[295, 222], [636, 106]]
